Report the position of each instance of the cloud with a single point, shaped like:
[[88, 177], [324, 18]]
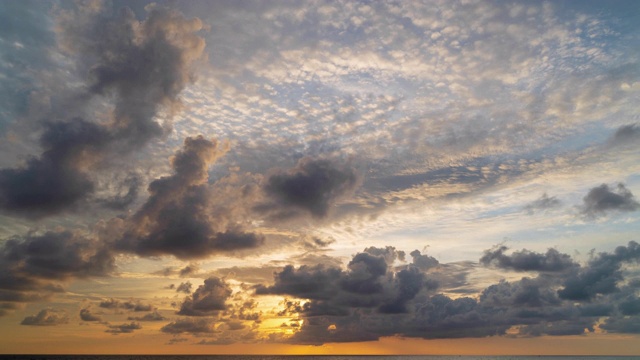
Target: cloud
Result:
[[423, 262], [189, 270], [626, 134], [543, 203], [123, 66], [208, 299], [152, 316], [525, 260], [369, 300], [46, 317], [368, 282], [602, 199], [601, 275], [33, 267], [123, 328], [306, 282], [120, 201], [193, 326], [185, 287], [86, 315], [130, 305], [312, 186], [179, 217]]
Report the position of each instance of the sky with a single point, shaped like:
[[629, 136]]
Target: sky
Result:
[[311, 177]]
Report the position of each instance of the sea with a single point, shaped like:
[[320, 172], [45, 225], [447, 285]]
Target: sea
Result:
[[310, 357]]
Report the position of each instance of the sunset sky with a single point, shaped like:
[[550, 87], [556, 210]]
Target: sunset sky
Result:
[[311, 177]]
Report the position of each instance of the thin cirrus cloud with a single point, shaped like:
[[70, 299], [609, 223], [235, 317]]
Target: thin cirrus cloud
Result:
[[250, 174]]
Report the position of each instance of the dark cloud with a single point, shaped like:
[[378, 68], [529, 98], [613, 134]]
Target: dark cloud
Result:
[[152, 316], [185, 287], [525, 260], [139, 67], [123, 328], [110, 304], [120, 201], [625, 325], [543, 203], [307, 282], [46, 317], [179, 219], [372, 299], [189, 270], [208, 299], [34, 266], [602, 199], [313, 186], [130, 305], [369, 282], [423, 262], [193, 326], [601, 275], [86, 315], [627, 134]]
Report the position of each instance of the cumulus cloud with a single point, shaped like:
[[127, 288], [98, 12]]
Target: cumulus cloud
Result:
[[602, 199], [179, 219], [86, 315], [525, 260], [566, 298], [602, 274], [139, 67], [35, 266], [130, 305], [123, 328], [46, 317], [368, 282], [152, 316], [313, 186], [208, 299]]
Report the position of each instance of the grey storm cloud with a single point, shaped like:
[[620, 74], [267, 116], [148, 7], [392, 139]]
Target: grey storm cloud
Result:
[[140, 67], [189, 325], [208, 299], [566, 298], [369, 282], [525, 260], [178, 218], [123, 328], [86, 315], [602, 274], [46, 317], [33, 267], [602, 199], [312, 186]]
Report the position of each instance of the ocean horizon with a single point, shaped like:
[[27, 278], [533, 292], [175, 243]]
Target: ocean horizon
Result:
[[323, 357]]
